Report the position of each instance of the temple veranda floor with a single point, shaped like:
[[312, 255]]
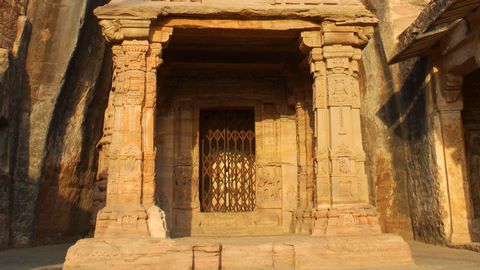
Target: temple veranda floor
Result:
[[426, 257]]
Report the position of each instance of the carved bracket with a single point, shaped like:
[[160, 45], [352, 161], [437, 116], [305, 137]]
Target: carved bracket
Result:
[[310, 40], [116, 30], [449, 94], [355, 36]]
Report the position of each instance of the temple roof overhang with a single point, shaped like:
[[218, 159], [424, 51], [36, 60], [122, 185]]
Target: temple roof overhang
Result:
[[433, 24], [346, 12]]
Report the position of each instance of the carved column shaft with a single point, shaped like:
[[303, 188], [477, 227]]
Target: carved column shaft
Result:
[[124, 213], [349, 181], [342, 205], [128, 145], [125, 178]]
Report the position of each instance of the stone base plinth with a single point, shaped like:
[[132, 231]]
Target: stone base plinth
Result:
[[346, 220], [280, 252], [121, 223]]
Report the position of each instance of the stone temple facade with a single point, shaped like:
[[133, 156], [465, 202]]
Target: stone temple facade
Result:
[[252, 140], [218, 134]]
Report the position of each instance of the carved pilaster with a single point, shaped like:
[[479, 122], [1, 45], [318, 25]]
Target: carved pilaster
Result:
[[154, 61], [342, 205], [449, 105]]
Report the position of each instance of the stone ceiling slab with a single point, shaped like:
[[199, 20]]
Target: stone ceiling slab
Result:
[[347, 11]]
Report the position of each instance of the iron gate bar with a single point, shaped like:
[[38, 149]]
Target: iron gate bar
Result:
[[227, 181]]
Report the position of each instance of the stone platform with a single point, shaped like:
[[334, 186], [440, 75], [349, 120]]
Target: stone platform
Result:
[[262, 253]]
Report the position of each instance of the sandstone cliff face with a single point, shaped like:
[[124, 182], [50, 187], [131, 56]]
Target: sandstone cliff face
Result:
[[14, 32], [60, 118], [70, 158], [5, 180], [398, 135]]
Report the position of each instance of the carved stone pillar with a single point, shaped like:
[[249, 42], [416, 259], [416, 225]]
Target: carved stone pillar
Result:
[[129, 133], [342, 204]]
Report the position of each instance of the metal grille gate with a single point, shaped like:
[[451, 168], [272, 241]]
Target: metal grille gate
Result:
[[227, 161]]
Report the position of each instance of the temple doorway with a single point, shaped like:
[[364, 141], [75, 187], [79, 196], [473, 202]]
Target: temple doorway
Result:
[[228, 132]]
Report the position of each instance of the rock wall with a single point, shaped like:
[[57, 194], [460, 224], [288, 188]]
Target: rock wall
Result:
[[57, 121], [14, 34], [5, 179], [68, 174], [384, 146], [398, 131], [10, 10]]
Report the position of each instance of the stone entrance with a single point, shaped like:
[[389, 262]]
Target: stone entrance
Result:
[[230, 70], [298, 73]]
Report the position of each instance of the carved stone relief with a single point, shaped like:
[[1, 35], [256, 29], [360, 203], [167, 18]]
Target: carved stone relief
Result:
[[269, 187]]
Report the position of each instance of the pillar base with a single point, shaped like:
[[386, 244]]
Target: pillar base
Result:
[[345, 220], [122, 222], [303, 222], [278, 252]]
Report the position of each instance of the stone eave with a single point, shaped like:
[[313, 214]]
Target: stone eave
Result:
[[343, 14], [433, 23]]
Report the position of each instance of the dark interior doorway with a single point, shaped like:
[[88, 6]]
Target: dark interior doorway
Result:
[[471, 122]]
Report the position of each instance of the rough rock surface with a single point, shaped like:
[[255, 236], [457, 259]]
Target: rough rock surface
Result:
[[397, 138], [10, 10], [59, 122], [14, 34], [5, 179]]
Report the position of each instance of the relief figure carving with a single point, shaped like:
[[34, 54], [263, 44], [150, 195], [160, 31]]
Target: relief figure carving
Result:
[[269, 185]]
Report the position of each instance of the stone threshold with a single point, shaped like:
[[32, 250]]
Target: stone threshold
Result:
[[269, 252]]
